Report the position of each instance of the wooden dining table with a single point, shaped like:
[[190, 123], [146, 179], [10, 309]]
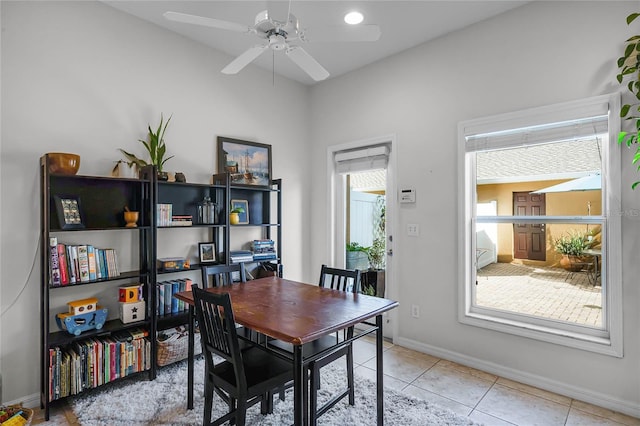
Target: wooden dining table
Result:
[[299, 313]]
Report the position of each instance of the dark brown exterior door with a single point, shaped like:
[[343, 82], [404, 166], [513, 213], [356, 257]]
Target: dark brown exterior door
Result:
[[529, 240]]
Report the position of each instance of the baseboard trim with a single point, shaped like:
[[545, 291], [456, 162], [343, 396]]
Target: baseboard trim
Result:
[[586, 395], [29, 401]]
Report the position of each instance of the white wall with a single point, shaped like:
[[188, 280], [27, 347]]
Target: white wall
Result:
[[83, 77], [540, 54]]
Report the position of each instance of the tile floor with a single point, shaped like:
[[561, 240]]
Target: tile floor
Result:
[[483, 397]]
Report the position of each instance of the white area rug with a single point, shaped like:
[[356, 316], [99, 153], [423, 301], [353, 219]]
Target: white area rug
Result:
[[163, 402]]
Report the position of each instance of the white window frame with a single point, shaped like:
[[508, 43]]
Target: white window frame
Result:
[[606, 341]]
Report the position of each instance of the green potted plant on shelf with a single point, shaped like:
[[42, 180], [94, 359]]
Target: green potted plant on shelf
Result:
[[629, 74], [234, 215], [156, 149]]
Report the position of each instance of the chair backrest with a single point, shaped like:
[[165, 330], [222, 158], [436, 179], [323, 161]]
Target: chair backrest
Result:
[[217, 329], [221, 275], [340, 279]]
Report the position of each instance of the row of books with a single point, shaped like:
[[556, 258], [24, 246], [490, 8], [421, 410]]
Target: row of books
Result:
[[263, 246], [71, 264], [93, 362], [167, 304], [240, 256], [163, 214], [264, 250]]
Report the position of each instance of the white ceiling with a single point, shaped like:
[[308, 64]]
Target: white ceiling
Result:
[[403, 24]]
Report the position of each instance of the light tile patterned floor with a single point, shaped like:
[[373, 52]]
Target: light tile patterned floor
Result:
[[541, 291], [481, 396]]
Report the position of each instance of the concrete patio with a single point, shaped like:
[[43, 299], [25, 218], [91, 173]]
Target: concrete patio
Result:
[[546, 292]]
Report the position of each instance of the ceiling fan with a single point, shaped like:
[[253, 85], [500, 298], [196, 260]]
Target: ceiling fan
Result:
[[278, 34]]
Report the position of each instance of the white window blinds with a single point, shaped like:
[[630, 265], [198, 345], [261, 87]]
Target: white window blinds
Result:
[[362, 159], [542, 126]]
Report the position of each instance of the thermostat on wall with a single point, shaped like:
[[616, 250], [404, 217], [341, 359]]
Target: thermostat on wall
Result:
[[407, 195]]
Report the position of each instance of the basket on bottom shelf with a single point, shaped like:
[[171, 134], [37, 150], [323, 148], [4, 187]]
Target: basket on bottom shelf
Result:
[[173, 345], [15, 415]]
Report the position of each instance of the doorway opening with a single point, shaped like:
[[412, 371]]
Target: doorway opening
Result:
[[365, 228], [360, 200]]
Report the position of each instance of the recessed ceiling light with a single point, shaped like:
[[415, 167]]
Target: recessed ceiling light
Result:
[[353, 18]]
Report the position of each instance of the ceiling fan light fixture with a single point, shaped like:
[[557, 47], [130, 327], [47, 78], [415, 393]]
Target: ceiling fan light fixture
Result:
[[353, 18]]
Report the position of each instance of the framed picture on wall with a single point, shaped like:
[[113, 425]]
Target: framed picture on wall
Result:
[[248, 163], [207, 252], [69, 212]]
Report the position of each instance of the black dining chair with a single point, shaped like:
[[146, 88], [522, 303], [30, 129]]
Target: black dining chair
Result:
[[244, 377], [221, 275], [342, 280]]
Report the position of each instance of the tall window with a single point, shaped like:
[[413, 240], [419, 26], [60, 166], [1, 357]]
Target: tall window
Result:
[[541, 224]]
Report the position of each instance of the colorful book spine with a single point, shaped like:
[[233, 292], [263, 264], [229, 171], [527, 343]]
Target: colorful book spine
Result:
[[168, 289], [91, 254], [62, 261], [174, 301], [53, 262], [160, 288], [71, 264], [102, 263], [83, 263], [182, 285]]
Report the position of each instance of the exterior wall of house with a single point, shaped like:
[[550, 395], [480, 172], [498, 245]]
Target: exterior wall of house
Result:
[[557, 204]]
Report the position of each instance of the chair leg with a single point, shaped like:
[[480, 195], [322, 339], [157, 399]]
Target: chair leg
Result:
[[233, 405], [241, 412], [350, 381], [305, 393], [208, 402], [313, 394], [264, 403]]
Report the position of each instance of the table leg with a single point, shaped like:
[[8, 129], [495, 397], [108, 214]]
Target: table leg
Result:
[[379, 371], [298, 383], [190, 358]]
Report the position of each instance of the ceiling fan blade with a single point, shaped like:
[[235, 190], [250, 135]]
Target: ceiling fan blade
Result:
[[243, 60], [305, 61], [206, 22], [343, 33]]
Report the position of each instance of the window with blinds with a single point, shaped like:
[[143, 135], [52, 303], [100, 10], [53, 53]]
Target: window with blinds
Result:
[[539, 201]]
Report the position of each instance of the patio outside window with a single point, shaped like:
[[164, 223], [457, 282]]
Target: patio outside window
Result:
[[541, 224]]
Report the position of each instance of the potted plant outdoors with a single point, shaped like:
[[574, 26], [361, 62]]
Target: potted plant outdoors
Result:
[[572, 247], [357, 257], [156, 149], [375, 276], [629, 74], [234, 215]]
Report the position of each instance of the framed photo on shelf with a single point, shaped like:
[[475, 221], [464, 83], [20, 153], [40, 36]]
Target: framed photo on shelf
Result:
[[248, 163], [69, 211], [243, 216], [207, 252]]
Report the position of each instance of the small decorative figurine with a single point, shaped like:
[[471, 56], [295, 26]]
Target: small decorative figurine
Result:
[[131, 218], [83, 315]]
